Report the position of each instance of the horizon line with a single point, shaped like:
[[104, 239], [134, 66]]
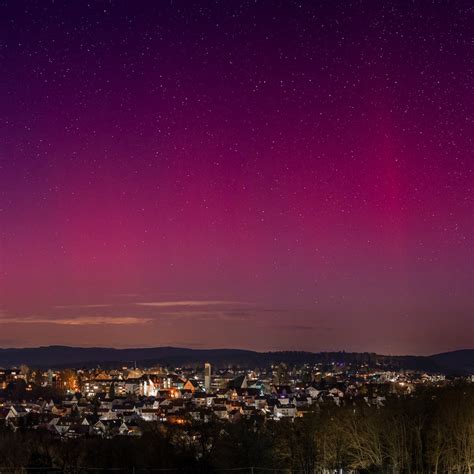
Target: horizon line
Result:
[[200, 349]]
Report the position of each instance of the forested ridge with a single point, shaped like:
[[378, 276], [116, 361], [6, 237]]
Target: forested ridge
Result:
[[456, 362]]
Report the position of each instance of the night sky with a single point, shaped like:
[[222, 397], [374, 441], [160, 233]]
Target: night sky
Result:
[[251, 174]]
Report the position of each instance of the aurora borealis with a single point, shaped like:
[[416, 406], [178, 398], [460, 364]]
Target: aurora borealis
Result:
[[258, 174]]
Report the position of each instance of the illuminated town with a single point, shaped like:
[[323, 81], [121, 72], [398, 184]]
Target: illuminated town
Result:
[[116, 402]]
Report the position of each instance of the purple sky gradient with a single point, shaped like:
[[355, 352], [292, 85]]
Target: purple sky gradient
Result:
[[264, 175]]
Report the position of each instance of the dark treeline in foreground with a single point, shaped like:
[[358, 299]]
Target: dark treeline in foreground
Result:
[[430, 432]]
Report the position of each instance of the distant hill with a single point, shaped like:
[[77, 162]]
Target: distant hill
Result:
[[462, 361], [456, 362]]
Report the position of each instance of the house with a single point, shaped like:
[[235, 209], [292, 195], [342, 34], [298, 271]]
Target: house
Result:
[[99, 428], [284, 410], [220, 412], [238, 382], [60, 426], [133, 386], [282, 391], [123, 429], [149, 414], [191, 385], [200, 399], [77, 430]]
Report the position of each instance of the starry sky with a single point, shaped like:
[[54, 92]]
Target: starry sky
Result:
[[251, 174]]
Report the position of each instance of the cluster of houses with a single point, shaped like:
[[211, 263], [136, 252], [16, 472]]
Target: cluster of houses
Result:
[[120, 403]]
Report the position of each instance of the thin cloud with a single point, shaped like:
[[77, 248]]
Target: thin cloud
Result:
[[67, 306], [80, 321], [167, 304]]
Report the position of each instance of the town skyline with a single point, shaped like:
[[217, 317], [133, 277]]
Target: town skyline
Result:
[[205, 418]]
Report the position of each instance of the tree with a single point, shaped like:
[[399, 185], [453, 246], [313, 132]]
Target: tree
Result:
[[112, 391], [362, 428]]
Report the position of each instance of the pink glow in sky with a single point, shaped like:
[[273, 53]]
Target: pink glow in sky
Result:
[[257, 175]]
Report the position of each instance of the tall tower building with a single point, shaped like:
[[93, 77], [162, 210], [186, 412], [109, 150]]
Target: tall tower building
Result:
[[207, 377]]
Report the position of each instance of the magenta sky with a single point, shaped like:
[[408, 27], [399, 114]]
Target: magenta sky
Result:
[[236, 174]]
